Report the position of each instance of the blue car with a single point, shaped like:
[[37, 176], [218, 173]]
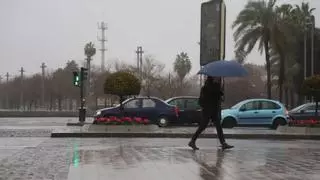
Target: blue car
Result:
[[155, 110], [255, 112]]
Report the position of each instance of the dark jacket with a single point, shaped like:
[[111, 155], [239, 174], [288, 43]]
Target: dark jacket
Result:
[[210, 96]]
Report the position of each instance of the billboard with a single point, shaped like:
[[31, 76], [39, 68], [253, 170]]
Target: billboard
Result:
[[212, 33]]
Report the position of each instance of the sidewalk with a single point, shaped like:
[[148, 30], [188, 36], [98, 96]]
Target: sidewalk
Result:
[[90, 131]]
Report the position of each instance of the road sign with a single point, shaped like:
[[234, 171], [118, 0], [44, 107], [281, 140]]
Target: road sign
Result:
[[213, 27]]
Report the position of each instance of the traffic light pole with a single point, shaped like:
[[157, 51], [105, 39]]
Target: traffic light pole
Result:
[[79, 81], [82, 110]]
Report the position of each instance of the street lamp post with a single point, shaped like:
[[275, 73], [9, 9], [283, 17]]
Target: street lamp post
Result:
[[312, 44], [305, 57], [309, 21]]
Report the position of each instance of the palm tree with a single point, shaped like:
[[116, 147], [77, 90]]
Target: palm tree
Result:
[[89, 51], [287, 31], [182, 65], [255, 24], [282, 40], [301, 15]]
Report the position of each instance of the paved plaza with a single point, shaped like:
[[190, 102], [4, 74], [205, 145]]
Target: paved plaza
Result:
[[145, 159], [28, 153]]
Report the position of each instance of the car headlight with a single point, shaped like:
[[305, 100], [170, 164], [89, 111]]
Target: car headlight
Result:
[[98, 113]]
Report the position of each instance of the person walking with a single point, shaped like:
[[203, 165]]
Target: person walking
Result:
[[210, 102]]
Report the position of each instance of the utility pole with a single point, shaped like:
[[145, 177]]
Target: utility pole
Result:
[[2, 104], [103, 27], [7, 95], [21, 88], [43, 66], [139, 60]]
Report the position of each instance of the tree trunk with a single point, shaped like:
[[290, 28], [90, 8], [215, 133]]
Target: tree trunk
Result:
[[60, 103], [317, 106], [300, 99], [51, 102], [96, 102], [268, 66], [292, 99], [286, 96], [281, 77]]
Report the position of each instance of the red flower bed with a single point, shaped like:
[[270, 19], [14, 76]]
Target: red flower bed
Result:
[[122, 121], [304, 122]]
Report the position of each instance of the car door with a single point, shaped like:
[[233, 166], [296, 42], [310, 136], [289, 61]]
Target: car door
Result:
[[149, 109], [248, 113], [306, 113], [132, 108], [192, 110], [180, 104], [267, 111]]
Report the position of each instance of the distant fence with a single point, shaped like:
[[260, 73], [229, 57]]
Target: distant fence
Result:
[[41, 114]]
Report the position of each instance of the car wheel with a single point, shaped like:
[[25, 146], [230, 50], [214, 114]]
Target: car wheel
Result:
[[163, 121], [229, 122], [278, 122]]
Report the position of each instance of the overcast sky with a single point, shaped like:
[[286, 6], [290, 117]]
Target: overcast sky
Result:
[[54, 31]]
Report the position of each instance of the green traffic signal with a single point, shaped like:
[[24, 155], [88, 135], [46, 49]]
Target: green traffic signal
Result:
[[76, 79]]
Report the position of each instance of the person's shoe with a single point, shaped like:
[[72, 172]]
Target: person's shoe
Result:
[[226, 146], [192, 144]]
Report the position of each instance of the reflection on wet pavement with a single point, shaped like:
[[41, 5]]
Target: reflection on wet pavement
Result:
[[128, 161], [169, 159]]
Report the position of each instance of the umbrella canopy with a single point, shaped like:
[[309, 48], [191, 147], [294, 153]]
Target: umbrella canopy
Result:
[[223, 68]]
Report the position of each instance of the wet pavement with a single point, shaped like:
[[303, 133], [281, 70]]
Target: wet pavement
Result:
[[43, 127], [144, 159]]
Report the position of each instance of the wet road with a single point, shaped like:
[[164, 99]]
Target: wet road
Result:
[[145, 159]]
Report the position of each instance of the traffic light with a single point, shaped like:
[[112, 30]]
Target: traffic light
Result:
[[83, 74], [76, 78]]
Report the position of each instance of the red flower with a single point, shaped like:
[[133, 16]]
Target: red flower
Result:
[[99, 119], [127, 119], [146, 121], [113, 119], [138, 119], [118, 120]]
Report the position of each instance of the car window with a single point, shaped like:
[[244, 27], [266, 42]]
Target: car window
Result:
[[269, 105], [148, 103], [132, 104], [177, 102], [192, 104], [253, 105], [298, 108], [310, 108]]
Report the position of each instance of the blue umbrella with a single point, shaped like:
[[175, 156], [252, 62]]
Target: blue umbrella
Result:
[[223, 69]]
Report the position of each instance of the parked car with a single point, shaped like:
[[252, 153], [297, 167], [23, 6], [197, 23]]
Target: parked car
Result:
[[255, 112], [154, 109], [189, 109], [304, 112]]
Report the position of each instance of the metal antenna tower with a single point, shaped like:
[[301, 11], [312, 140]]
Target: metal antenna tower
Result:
[[21, 90], [139, 60], [103, 27], [43, 66], [7, 95]]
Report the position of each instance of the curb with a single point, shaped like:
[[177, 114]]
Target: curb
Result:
[[183, 135], [77, 124]]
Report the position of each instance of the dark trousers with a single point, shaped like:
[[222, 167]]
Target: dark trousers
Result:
[[207, 115]]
